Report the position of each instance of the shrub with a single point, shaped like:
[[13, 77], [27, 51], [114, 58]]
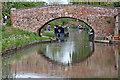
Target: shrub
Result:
[[9, 22], [108, 20]]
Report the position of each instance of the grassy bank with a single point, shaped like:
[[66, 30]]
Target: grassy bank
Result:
[[15, 37], [47, 33]]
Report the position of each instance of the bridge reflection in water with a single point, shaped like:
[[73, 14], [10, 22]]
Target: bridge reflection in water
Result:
[[74, 58]]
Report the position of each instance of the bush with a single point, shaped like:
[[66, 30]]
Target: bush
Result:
[[116, 4], [108, 20], [9, 22]]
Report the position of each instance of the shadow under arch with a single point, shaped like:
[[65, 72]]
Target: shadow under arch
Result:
[[39, 30]]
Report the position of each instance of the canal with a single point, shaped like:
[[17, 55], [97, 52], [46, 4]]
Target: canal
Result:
[[76, 57]]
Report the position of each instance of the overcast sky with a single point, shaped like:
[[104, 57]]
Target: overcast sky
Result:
[[66, 1], [53, 1]]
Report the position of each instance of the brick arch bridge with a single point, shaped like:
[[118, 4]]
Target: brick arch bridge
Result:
[[101, 19]]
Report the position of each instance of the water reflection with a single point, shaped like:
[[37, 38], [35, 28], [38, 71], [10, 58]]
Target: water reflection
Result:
[[74, 49], [100, 64], [93, 60]]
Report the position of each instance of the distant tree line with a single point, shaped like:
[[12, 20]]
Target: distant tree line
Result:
[[108, 4], [6, 6]]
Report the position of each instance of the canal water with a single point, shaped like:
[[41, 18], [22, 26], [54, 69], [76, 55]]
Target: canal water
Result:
[[76, 57]]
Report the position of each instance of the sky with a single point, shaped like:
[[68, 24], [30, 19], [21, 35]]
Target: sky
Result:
[[61, 1], [67, 1], [51, 1]]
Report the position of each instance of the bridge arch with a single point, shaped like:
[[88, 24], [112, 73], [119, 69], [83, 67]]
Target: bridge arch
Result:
[[39, 30]]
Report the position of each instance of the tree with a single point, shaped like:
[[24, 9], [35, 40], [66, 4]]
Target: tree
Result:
[[6, 7], [116, 4], [109, 4]]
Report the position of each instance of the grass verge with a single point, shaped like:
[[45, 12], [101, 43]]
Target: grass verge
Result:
[[48, 33], [12, 37]]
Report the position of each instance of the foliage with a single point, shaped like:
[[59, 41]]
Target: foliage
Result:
[[9, 22], [50, 34], [0, 14], [6, 7], [116, 4], [0, 41], [108, 20], [18, 5], [61, 21], [108, 4]]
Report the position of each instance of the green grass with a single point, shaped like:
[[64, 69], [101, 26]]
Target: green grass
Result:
[[50, 34], [15, 37], [0, 38]]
